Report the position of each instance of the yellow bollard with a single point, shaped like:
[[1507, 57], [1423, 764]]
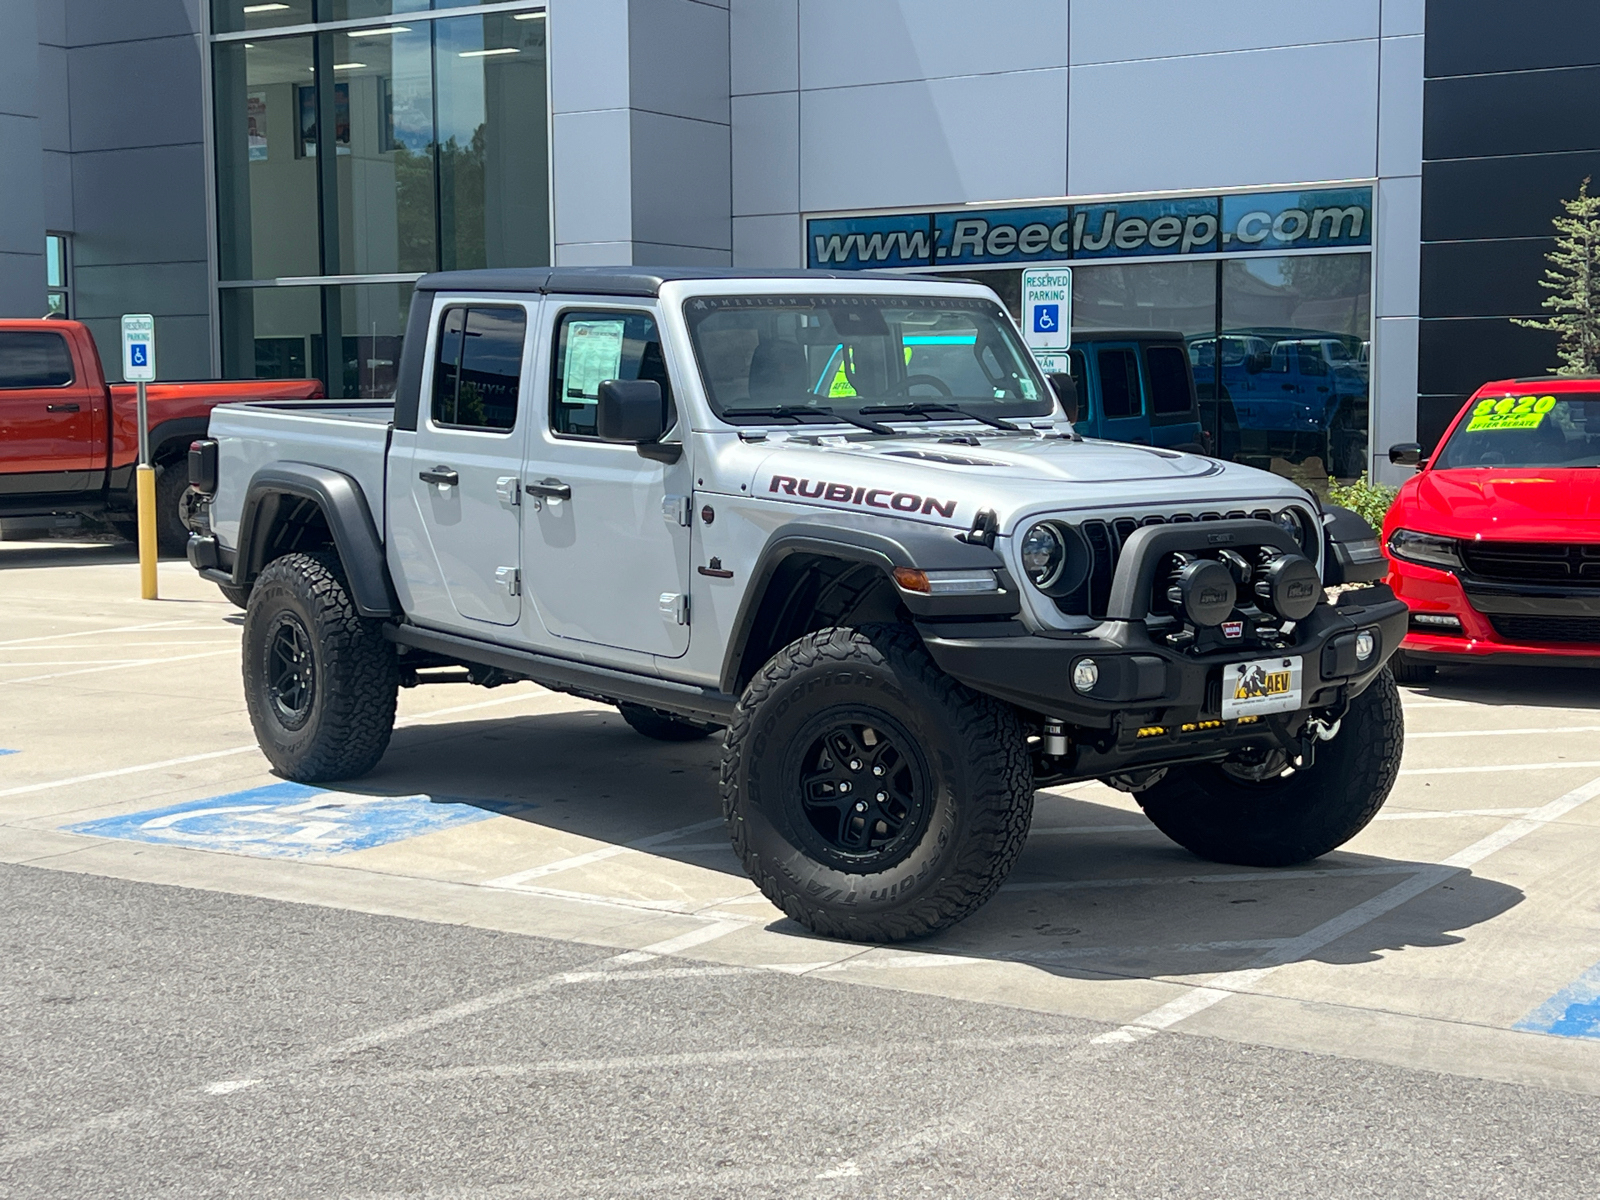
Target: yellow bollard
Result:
[[147, 531]]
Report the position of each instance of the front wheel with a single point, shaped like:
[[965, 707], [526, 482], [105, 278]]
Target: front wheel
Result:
[[869, 795], [1257, 816], [320, 681]]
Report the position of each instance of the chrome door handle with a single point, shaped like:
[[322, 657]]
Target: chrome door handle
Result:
[[550, 489], [440, 475]]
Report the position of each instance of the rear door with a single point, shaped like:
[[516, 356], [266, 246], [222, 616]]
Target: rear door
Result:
[[47, 423], [1174, 411], [608, 541], [1123, 417], [464, 477]]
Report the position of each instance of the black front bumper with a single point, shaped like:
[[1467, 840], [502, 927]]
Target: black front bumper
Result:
[[1149, 682]]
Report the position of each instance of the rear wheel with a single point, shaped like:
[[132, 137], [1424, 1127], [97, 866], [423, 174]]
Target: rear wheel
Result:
[[664, 726], [172, 535], [320, 681], [237, 595], [869, 795], [1260, 814]]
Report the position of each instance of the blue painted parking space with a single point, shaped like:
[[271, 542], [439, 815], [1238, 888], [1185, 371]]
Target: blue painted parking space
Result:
[[287, 820], [1574, 1011], [4, 752]]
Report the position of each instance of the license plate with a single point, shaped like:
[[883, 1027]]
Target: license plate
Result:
[[1263, 685]]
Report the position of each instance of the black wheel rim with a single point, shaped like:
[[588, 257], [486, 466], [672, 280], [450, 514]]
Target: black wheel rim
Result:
[[290, 671], [860, 791]]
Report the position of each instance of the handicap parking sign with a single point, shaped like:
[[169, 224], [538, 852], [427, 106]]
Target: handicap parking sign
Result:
[[1047, 309], [287, 820], [139, 353]]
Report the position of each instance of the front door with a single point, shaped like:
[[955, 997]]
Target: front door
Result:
[[465, 470], [49, 439], [1122, 410], [607, 536]]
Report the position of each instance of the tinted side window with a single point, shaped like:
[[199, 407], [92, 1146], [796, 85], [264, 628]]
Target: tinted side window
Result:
[[592, 347], [1119, 384], [34, 360], [1169, 380], [478, 372], [1078, 368]]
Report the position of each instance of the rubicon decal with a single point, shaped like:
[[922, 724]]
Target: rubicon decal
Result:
[[844, 493]]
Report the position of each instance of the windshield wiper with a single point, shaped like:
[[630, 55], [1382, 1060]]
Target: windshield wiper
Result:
[[798, 411], [926, 409]]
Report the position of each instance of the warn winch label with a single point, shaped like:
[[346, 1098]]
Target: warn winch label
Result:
[[844, 493]]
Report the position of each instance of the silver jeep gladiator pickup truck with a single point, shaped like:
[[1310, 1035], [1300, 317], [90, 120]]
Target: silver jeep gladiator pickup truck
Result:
[[843, 518]]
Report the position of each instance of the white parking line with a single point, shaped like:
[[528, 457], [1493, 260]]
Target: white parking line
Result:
[[1199, 999], [600, 854], [149, 628], [134, 662], [402, 723], [1460, 733], [1542, 766], [1265, 875]]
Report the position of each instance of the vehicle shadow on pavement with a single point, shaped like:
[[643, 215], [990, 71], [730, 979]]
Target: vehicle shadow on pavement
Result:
[[1097, 893], [1554, 686], [15, 555]]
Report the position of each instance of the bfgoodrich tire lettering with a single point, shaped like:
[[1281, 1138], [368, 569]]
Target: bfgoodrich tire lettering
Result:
[[970, 816], [331, 718], [1300, 816]]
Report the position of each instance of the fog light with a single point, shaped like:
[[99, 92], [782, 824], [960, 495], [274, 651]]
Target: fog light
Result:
[[1365, 645], [1085, 674], [1437, 621]]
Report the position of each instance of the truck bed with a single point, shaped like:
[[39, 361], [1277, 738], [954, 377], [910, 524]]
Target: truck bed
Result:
[[351, 436]]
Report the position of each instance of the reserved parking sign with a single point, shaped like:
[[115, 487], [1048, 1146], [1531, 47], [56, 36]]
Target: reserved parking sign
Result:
[[1047, 309]]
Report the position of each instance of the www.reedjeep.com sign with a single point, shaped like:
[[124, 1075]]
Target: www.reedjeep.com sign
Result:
[[1119, 229]]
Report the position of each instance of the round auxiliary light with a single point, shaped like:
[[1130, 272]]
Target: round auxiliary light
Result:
[[1366, 644], [1044, 554], [1288, 586], [1085, 674], [1204, 590]]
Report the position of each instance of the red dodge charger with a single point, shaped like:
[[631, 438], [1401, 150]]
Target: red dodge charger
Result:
[[1495, 544]]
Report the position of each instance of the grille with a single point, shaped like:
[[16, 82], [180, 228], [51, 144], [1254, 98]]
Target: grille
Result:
[[1570, 630], [1105, 540], [1534, 562]]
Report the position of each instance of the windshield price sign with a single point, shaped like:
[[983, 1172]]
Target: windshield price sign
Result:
[[138, 348], [1047, 312]]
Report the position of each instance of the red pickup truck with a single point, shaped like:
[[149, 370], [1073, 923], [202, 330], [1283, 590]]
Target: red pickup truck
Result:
[[69, 441]]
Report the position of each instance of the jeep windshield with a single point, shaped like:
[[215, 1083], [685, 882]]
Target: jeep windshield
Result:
[[863, 358], [1531, 430]]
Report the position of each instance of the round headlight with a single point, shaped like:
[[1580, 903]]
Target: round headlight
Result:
[[1044, 553], [1290, 522]]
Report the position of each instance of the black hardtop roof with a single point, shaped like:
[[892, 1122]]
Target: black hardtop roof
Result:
[[1125, 335], [618, 281]]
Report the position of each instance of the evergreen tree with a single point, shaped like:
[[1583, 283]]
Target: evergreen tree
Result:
[[1573, 281]]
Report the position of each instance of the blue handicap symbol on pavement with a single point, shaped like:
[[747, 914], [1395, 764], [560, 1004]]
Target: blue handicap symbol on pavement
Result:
[[1572, 1012], [3, 753], [139, 353], [287, 820], [1046, 318]]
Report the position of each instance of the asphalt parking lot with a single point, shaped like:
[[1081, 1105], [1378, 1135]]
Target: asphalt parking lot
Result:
[[519, 959]]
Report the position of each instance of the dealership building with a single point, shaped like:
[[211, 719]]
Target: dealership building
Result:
[[1339, 204]]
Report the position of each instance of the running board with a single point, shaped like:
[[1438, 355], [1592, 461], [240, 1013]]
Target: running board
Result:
[[565, 675]]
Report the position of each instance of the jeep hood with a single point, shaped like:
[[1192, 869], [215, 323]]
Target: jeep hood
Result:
[[936, 477]]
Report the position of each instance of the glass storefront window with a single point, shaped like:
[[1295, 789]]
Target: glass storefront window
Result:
[[239, 16], [383, 105], [1291, 363], [272, 333], [266, 181], [372, 325], [494, 206]]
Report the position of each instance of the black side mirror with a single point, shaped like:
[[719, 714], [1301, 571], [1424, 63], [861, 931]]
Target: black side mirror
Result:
[[629, 410], [1066, 389], [1406, 454]]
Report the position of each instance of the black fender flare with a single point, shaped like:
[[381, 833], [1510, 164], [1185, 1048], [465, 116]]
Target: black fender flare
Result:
[[929, 548], [178, 429], [344, 507]]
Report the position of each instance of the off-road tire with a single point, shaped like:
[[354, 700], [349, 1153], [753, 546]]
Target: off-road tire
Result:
[[1300, 816], [1408, 670], [172, 535], [237, 595], [979, 793], [354, 676], [664, 726]]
